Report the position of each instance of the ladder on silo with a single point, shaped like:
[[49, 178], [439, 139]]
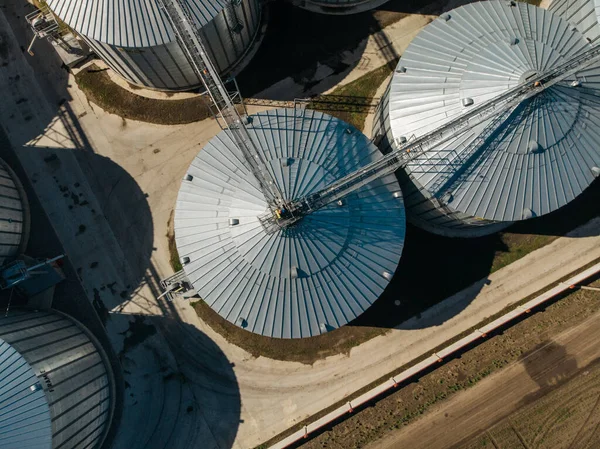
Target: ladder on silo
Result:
[[188, 34]]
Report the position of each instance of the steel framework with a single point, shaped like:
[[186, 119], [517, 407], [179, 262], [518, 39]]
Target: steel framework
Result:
[[283, 212]]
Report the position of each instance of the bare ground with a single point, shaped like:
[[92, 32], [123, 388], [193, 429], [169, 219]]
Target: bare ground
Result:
[[415, 399], [567, 417]]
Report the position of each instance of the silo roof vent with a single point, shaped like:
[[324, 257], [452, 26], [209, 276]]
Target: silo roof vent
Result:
[[527, 214], [401, 69], [467, 101], [596, 171], [445, 17], [241, 322], [534, 147], [294, 272]]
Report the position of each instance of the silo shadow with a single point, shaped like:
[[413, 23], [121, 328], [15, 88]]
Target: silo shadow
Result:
[[306, 53], [85, 188], [431, 270], [549, 365], [45, 67], [301, 49], [195, 399], [125, 207]]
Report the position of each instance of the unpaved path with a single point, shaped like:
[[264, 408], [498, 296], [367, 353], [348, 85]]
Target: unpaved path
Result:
[[472, 411]]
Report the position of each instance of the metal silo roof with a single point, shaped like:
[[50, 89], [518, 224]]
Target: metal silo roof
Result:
[[582, 13], [128, 23], [546, 152], [24, 412], [308, 279], [71, 380]]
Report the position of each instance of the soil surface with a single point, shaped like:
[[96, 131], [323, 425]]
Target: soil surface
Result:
[[567, 417], [101, 90], [545, 356]]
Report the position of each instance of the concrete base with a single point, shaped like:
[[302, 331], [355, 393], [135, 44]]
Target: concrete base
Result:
[[71, 50]]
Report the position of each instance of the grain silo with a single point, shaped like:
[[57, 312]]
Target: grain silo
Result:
[[56, 386], [137, 41], [540, 157], [581, 13], [340, 7], [310, 278], [14, 215]]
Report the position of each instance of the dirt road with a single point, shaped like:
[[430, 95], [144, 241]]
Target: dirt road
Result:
[[473, 411]]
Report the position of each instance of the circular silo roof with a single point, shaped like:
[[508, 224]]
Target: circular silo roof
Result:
[[313, 277], [129, 23], [543, 155], [56, 378], [25, 421]]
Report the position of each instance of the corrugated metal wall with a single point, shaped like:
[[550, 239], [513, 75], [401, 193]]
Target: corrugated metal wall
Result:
[[74, 375], [542, 155], [314, 277], [166, 67], [25, 419], [14, 215]]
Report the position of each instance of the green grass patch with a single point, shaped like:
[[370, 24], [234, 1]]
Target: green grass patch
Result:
[[517, 246], [362, 89], [101, 90], [303, 350]]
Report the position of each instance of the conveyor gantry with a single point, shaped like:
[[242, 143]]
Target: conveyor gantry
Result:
[[189, 37], [283, 212]]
